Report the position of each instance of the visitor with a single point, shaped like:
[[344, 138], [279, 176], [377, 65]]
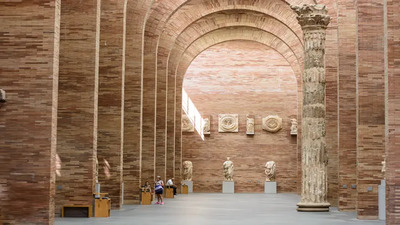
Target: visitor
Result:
[[171, 185], [158, 189], [146, 187]]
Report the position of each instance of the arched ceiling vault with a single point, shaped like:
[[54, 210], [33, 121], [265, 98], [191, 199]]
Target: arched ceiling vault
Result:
[[205, 26], [235, 33]]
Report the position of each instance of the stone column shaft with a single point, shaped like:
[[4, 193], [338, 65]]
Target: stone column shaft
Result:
[[314, 21]]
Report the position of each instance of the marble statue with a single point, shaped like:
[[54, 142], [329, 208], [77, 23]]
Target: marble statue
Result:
[[187, 170], [228, 123], [293, 128], [228, 169], [270, 171], [250, 126], [272, 124]]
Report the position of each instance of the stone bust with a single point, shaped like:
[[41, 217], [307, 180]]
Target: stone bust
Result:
[[187, 170], [270, 171], [228, 169]]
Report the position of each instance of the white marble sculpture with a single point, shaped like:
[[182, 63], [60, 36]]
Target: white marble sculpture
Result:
[[272, 124], [187, 126], [228, 123], [206, 126], [293, 128], [187, 170], [228, 169], [270, 171], [250, 126]]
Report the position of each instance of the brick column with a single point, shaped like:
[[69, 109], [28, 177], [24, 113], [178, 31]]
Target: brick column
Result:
[[111, 78], [314, 21], [77, 108], [29, 54]]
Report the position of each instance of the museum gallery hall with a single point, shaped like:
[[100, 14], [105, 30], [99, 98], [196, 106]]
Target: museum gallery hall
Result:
[[253, 111]]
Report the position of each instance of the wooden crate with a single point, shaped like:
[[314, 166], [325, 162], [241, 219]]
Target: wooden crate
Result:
[[146, 198], [66, 207], [169, 192], [102, 207], [185, 189]]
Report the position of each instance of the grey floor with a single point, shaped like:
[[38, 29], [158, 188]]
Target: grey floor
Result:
[[219, 209]]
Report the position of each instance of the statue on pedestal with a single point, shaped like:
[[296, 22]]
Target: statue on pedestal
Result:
[[228, 169], [187, 170], [270, 171]]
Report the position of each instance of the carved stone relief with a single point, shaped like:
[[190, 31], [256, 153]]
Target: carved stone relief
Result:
[[250, 126], [187, 126], [293, 128], [272, 123], [228, 123], [206, 125]]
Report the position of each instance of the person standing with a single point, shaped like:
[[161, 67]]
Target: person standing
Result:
[[159, 189]]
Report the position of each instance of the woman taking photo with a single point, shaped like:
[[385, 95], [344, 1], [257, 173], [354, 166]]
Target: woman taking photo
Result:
[[158, 189]]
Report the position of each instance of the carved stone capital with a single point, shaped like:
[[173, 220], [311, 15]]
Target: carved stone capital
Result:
[[312, 16]]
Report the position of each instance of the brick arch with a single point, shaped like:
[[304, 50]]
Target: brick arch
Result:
[[235, 33], [216, 38], [154, 87]]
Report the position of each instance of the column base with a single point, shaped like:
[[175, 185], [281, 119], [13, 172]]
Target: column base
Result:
[[313, 207]]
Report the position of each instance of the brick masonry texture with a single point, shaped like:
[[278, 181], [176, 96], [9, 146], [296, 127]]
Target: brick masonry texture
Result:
[[29, 46], [242, 78], [393, 115], [110, 105], [118, 96], [76, 113], [371, 106]]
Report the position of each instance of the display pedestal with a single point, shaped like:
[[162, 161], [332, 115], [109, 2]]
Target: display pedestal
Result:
[[228, 187], [189, 183], [145, 198], [270, 187], [382, 200], [169, 192]]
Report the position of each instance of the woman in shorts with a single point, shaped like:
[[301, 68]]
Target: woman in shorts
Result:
[[158, 189]]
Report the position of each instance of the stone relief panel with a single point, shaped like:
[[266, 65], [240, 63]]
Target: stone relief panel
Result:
[[187, 126], [250, 126], [272, 124], [206, 126], [293, 128], [228, 123]]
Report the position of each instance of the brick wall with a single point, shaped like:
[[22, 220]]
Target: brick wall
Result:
[[242, 78]]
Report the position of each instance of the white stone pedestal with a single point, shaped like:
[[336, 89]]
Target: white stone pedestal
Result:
[[382, 200], [189, 183], [228, 187], [270, 187]]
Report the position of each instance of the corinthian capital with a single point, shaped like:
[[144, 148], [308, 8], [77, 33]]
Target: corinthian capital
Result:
[[312, 16]]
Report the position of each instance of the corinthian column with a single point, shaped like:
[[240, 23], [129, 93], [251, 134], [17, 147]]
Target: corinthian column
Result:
[[313, 19]]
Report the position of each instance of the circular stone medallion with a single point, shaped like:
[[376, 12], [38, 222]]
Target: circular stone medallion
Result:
[[272, 123]]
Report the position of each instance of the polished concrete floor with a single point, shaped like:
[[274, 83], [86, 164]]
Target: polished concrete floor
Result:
[[220, 209]]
